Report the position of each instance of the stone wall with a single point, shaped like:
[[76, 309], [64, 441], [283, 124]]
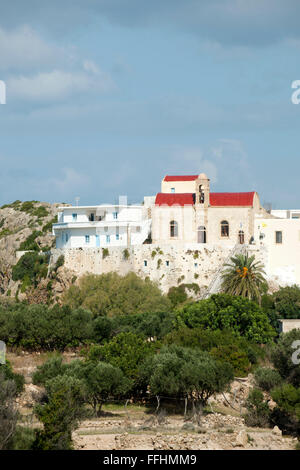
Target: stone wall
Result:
[[168, 265]]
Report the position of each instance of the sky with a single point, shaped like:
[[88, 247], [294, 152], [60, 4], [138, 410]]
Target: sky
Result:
[[106, 97]]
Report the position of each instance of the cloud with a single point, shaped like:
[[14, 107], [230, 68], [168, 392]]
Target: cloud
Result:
[[225, 162], [37, 70], [23, 48], [233, 22], [59, 84]]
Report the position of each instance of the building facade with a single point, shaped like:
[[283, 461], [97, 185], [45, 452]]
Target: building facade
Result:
[[101, 226], [186, 211], [184, 232]]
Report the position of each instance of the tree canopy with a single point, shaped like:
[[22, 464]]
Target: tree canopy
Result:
[[223, 311], [111, 294]]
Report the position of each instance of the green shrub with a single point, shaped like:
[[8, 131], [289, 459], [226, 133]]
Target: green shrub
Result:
[[38, 327], [30, 268], [23, 438], [111, 294], [60, 262], [61, 413], [48, 226], [222, 311], [281, 356], [266, 379], [48, 370], [127, 351], [222, 345], [30, 243], [177, 295], [258, 412]]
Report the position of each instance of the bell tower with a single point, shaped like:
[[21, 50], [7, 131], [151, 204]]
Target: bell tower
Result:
[[202, 191]]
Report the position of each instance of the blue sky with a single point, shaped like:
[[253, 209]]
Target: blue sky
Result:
[[106, 97]]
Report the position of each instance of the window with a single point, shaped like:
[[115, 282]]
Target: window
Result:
[[241, 237], [172, 190], [138, 229], [105, 229], [195, 265], [74, 217], [224, 228], [87, 239], [167, 263], [107, 238], [173, 229], [117, 236], [145, 263], [67, 237], [115, 215], [201, 234], [278, 237], [92, 217]]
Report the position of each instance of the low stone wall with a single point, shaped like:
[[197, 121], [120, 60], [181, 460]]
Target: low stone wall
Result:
[[168, 265]]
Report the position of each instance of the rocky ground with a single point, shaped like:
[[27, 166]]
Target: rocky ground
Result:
[[137, 427], [215, 432]]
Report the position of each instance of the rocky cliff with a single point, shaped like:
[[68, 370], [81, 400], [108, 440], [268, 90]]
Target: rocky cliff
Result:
[[27, 226]]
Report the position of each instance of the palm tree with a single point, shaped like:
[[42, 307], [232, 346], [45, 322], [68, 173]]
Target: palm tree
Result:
[[244, 277]]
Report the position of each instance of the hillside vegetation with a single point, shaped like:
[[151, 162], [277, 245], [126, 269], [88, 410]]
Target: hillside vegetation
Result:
[[26, 226]]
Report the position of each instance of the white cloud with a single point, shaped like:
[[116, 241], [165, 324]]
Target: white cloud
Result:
[[22, 49], [59, 84], [38, 70]]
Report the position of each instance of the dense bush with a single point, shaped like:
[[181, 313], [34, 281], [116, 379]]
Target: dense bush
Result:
[[286, 415], [30, 242], [266, 379], [223, 345], [258, 412], [286, 302], [37, 327], [18, 379], [111, 294], [126, 351], [60, 414], [281, 356], [48, 370], [148, 325], [31, 267], [10, 386], [177, 295], [222, 311]]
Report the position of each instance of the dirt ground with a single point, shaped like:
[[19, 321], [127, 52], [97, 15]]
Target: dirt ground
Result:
[[137, 427]]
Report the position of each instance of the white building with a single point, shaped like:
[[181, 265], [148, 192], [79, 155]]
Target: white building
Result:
[[281, 238], [286, 213], [101, 226]]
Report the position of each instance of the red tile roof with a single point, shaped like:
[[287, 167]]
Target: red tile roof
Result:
[[181, 178], [215, 199], [231, 199], [172, 199]]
